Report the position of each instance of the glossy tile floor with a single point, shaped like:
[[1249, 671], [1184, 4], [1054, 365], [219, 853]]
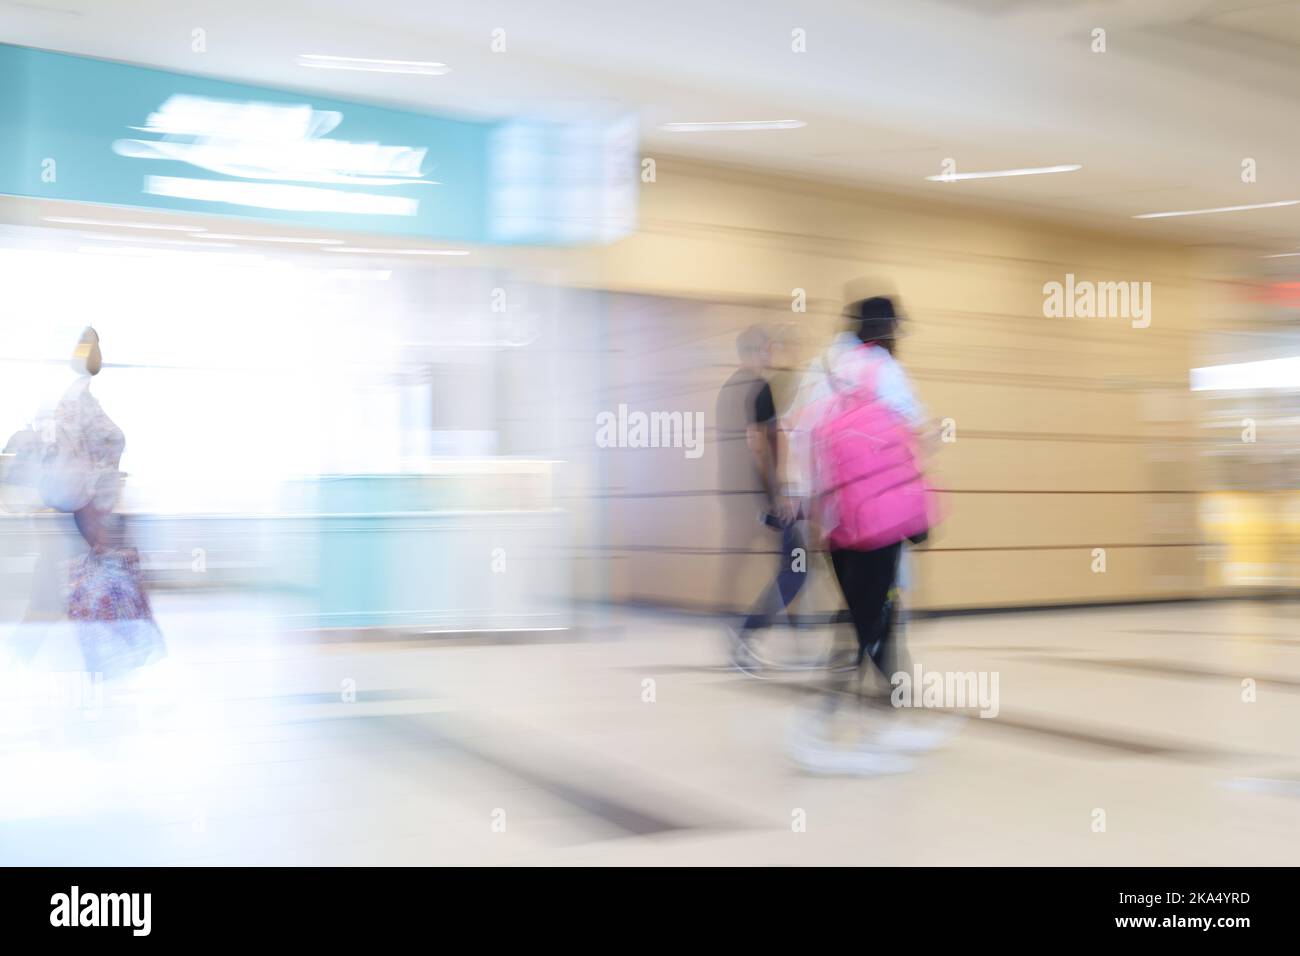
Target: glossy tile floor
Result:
[[1122, 736]]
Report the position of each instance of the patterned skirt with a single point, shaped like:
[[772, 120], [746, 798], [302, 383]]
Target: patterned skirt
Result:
[[110, 609]]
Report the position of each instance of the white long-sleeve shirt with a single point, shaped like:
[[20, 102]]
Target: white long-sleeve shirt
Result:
[[845, 362]]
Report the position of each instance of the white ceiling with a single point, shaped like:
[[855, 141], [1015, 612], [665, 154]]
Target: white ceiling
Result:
[[1162, 120]]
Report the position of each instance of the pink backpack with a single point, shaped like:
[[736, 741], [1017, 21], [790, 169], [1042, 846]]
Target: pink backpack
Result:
[[871, 492]]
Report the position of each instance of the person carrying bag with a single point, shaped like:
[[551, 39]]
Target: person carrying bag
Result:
[[870, 492], [71, 459]]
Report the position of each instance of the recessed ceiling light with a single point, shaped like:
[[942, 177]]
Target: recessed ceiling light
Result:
[[399, 252], [122, 225], [313, 242], [1204, 212], [321, 61], [999, 173], [732, 127]]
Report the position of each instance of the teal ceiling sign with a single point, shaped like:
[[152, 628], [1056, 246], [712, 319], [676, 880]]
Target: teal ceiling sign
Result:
[[74, 128]]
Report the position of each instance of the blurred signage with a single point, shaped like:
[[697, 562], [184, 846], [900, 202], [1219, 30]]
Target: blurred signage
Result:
[[75, 128], [572, 181]]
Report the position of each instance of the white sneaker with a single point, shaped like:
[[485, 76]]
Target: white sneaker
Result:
[[813, 753], [742, 655]]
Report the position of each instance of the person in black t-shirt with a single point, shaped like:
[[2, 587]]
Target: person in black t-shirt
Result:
[[749, 452]]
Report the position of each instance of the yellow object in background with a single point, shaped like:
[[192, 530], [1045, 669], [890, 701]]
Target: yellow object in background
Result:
[[1255, 536]]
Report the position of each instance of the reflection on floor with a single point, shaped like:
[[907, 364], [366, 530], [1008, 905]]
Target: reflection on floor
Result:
[[629, 744]]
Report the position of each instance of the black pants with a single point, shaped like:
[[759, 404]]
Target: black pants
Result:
[[785, 586], [866, 578]]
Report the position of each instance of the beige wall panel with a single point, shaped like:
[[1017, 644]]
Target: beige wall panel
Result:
[[953, 580], [1051, 520], [1033, 398], [1012, 465]]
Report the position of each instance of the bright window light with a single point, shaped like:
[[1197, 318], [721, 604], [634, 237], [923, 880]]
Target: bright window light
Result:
[[1280, 373]]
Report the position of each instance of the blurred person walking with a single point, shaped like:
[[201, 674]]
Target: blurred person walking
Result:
[[71, 458], [749, 463], [859, 429]]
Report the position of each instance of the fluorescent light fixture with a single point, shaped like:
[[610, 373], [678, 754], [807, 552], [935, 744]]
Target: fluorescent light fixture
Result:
[[1281, 255], [277, 196], [398, 252], [741, 126], [1206, 212], [999, 173], [1248, 376], [313, 242], [321, 61], [122, 225]]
